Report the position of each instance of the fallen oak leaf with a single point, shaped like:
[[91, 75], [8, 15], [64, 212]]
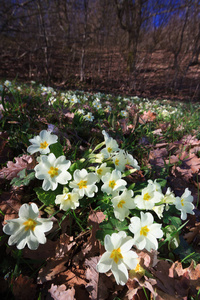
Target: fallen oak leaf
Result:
[[148, 116], [12, 169], [93, 245], [57, 264], [59, 292], [23, 287], [95, 287], [194, 231]]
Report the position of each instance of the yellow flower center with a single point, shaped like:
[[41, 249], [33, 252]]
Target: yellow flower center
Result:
[[30, 224], [117, 162], [144, 230], [182, 202], [44, 145], [99, 171], [82, 184], [109, 149], [53, 172], [69, 198], [146, 196], [116, 255], [112, 184], [137, 268], [120, 204]]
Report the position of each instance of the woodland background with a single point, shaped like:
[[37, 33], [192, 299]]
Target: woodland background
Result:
[[145, 47]]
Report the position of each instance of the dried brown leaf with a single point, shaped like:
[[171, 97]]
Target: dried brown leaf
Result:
[[194, 231], [23, 287], [148, 116], [59, 292], [13, 169], [93, 245]]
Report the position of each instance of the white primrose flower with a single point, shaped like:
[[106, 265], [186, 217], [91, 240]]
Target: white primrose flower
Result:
[[97, 104], [156, 185], [145, 231], [44, 89], [111, 146], [80, 111], [148, 198], [42, 142], [124, 113], [169, 198], [7, 83], [119, 258], [28, 228], [105, 134], [53, 170], [73, 99], [84, 183], [122, 203], [67, 200], [132, 161], [113, 182], [102, 170], [89, 117], [159, 210], [119, 160], [184, 204]]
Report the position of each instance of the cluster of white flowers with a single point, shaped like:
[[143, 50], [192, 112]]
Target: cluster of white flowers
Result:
[[107, 177], [97, 103]]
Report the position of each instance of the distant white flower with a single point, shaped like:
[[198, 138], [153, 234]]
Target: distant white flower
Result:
[[184, 204], [108, 108], [19, 88], [7, 83], [124, 113], [113, 182], [97, 104], [28, 228], [148, 198], [122, 203], [145, 231], [44, 89], [73, 99], [119, 258], [111, 146], [42, 142], [80, 111], [132, 161], [84, 183], [53, 170], [119, 160], [102, 170], [89, 117], [67, 200], [51, 100]]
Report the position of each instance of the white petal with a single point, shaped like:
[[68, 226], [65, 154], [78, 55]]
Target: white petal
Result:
[[105, 263], [130, 259], [127, 244], [120, 273], [28, 211]]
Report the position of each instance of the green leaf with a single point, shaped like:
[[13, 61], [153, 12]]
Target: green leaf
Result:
[[186, 252], [47, 197], [173, 239], [110, 226], [25, 176], [56, 149]]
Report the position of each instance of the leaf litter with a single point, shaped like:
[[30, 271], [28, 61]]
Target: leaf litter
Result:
[[70, 268]]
